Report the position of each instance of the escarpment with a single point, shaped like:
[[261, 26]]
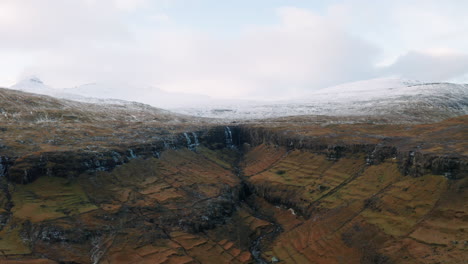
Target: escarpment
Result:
[[67, 163], [415, 154], [384, 202], [412, 160], [247, 193]]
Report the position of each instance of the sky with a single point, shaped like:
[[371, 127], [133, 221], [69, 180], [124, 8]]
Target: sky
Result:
[[232, 49]]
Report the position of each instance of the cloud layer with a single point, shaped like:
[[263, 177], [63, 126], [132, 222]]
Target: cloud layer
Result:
[[68, 43]]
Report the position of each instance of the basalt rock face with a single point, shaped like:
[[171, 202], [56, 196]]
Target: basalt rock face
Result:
[[418, 164], [68, 164], [144, 210], [414, 162], [241, 194], [63, 163], [222, 137], [154, 202]]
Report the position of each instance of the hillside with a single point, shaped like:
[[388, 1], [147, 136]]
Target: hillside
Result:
[[400, 100], [112, 93], [397, 99], [129, 183]]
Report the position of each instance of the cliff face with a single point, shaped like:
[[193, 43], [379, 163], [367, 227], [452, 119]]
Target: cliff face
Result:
[[25, 169], [157, 201], [412, 161], [151, 206], [411, 158], [295, 193]]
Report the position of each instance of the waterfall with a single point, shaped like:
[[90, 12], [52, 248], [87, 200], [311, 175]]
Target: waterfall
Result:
[[195, 138], [25, 176], [189, 142], [228, 135], [190, 145], [132, 155]]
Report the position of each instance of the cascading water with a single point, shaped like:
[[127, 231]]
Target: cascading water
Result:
[[228, 135], [190, 145], [132, 154], [189, 141], [195, 138]]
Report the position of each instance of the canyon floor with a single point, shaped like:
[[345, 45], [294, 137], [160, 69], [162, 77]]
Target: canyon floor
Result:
[[87, 184]]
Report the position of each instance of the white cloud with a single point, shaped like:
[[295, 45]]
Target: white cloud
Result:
[[68, 43], [34, 25], [130, 5], [303, 51], [430, 65], [401, 26], [160, 17]]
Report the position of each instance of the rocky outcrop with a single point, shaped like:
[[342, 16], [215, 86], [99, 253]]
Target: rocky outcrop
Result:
[[411, 162], [417, 164], [210, 213], [73, 163]]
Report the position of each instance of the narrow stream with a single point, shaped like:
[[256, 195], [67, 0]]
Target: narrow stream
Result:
[[268, 234], [256, 245]]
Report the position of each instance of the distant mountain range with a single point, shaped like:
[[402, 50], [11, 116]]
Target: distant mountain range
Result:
[[389, 97], [112, 93], [393, 98]]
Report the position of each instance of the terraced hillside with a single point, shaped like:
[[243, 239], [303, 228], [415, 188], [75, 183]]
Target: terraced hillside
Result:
[[146, 211], [347, 211], [161, 188]]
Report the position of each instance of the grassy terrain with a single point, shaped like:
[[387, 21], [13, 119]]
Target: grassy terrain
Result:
[[191, 206], [49, 198], [360, 213]]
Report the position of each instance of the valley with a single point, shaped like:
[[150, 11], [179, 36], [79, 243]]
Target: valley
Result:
[[141, 185], [233, 132]]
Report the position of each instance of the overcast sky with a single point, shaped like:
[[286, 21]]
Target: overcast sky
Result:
[[237, 49]]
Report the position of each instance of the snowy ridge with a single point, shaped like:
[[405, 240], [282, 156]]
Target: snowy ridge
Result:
[[378, 97], [143, 94], [402, 99], [112, 93], [35, 86], [383, 89]]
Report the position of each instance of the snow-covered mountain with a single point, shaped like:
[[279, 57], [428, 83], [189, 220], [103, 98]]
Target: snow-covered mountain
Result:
[[144, 94], [403, 99], [33, 85], [389, 97], [113, 93]]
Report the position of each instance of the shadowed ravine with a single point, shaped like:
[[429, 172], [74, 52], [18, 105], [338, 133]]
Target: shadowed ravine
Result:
[[237, 194], [268, 234]]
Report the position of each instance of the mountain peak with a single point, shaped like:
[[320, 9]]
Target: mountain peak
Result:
[[35, 79], [32, 84]]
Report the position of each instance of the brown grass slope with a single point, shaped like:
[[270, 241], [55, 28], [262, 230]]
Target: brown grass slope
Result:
[[315, 190]]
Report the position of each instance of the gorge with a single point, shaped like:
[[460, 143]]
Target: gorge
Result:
[[141, 185]]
